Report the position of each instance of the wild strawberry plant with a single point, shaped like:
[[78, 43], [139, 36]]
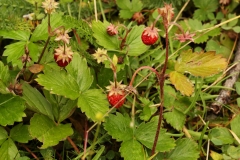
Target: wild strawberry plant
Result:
[[117, 80]]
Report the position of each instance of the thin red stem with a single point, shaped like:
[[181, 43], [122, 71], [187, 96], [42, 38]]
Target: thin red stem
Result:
[[73, 144], [162, 79]]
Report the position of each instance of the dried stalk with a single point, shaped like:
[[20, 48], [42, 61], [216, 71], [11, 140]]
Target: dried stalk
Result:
[[224, 95]]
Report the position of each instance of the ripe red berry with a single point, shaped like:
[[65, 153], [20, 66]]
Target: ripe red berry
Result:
[[116, 94], [63, 56], [150, 35], [61, 62], [116, 98]]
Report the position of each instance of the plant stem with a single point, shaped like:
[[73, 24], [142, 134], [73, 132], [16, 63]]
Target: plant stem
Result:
[[161, 83], [73, 144]]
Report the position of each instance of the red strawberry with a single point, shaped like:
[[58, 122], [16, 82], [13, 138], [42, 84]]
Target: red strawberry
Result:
[[116, 94], [63, 56], [150, 35]]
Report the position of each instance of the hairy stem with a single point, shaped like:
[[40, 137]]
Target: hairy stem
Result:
[[161, 83]]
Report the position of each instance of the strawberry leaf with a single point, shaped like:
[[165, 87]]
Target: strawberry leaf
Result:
[[9, 150], [205, 7], [3, 135], [4, 78], [13, 52], [63, 107], [175, 118], [36, 102], [134, 44], [93, 102], [11, 109], [128, 8], [16, 35], [41, 31], [59, 82], [145, 133], [100, 33], [47, 131], [181, 83], [220, 136], [186, 149], [132, 150], [80, 71], [200, 64], [118, 126], [20, 133], [235, 125]]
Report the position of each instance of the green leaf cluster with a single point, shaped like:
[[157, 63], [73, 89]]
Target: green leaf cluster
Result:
[[128, 8]]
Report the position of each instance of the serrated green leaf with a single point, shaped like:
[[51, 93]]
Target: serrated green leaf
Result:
[[8, 150], [134, 44], [181, 83], [16, 35], [100, 33], [60, 83], [93, 102], [220, 136], [213, 45], [46, 130], [145, 133], [175, 118], [123, 4], [200, 64], [147, 110], [4, 78], [132, 150], [205, 7], [80, 71], [186, 149], [41, 32], [13, 52], [36, 102], [11, 109], [235, 125], [62, 107], [3, 135], [33, 51], [128, 8], [125, 14], [20, 133], [118, 126], [169, 96]]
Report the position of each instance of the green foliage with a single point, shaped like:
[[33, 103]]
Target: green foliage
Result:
[[128, 8], [175, 118], [4, 78], [220, 136], [46, 130], [11, 109]]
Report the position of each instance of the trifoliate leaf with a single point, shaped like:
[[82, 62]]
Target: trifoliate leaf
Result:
[[134, 44], [235, 125], [20, 35], [11, 109], [93, 102], [4, 78], [36, 102], [8, 150], [132, 150], [145, 133], [175, 118], [100, 33], [118, 126], [3, 135], [80, 71], [128, 8], [60, 83], [186, 149], [181, 83], [205, 7], [220, 136], [47, 131], [13, 52], [200, 64], [20, 133]]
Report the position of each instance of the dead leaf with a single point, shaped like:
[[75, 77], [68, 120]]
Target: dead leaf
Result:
[[36, 68]]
